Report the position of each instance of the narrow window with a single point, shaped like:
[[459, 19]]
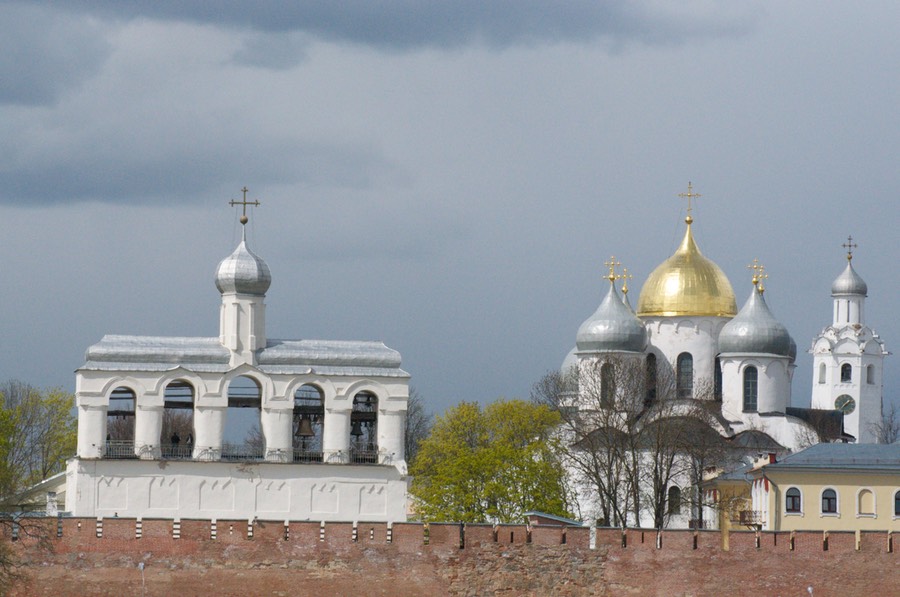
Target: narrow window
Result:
[[751, 389], [846, 373], [822, 373], [866, 503], [897, 504], [717, 385], [870, 374], [674, 500], [685, 374], [792, 500], [829, 502], [651, 379], [607, 386]]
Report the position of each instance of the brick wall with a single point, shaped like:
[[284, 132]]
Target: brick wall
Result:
[[494, 560]]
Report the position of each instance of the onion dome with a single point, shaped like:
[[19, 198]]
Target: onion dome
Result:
[[243, 272], [687, 284], [612, 327], [849, 282], [754, 330]]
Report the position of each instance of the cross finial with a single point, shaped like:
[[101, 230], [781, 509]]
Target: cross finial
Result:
[[244, 203], [849, 245], [759, 274], [612, 264], [625, 277], [689, 195]]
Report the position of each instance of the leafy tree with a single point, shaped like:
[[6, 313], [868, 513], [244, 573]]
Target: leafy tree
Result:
[[490, 465]]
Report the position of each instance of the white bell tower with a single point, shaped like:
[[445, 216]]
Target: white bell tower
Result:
[[848, 358]]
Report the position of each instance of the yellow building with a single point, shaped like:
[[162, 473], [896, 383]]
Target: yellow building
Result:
[[835, 487]]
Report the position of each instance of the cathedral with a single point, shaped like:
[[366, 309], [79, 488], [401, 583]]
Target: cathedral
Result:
[[738, 364], [153, 413]]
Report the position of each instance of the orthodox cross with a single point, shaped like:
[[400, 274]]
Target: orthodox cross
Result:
[[689, 195], [849, 245], [625, 276], [243, 203], [612, 264], [759, 274]]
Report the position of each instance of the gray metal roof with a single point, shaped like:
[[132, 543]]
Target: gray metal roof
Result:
[[754, 330], [612, 327], [843, 456], [207, 355], [849, 282], [243, 272]]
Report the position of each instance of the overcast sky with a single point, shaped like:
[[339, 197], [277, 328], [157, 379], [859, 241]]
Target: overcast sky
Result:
[[447, 177]]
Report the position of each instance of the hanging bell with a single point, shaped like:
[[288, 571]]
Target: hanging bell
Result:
[[356, 429], [304, 429]]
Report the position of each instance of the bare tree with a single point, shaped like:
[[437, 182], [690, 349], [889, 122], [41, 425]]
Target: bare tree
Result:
[[418, 424], [887, 429]]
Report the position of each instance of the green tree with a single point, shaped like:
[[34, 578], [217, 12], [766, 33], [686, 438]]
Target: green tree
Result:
[[490, 465]]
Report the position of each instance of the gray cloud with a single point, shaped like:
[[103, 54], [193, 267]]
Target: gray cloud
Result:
[[44, 53]]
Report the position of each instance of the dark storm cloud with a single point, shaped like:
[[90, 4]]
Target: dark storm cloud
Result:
[[44, 53], [407, 24]]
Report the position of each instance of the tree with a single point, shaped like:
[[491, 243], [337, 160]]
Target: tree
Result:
[[39, 434], [887, 429], [490, 465], [418, 424]]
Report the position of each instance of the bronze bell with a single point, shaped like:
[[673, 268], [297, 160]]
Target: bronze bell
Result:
[[356, 429], [304, 429]]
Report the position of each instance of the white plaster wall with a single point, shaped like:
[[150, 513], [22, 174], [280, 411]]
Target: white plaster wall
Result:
[[671, 336]]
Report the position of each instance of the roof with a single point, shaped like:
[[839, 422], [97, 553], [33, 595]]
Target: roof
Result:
[[289, 357], [855, 457]]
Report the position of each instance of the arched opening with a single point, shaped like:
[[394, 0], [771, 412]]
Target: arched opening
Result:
[[846, 373], [120, 423], [607, 386], [793, 501], [364, 429], [829, 502], [242, 438], [309, 419], [673, 500], [822, 373], [866, 503], [897, 504], [751, 389], [651, 380], [870, 374], [177, 433], [717, 381], [685, 375]]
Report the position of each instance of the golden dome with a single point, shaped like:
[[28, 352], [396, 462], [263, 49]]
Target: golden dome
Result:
[[687, 283]]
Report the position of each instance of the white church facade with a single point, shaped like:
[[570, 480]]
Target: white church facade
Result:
[[153, 413], [739, 364]]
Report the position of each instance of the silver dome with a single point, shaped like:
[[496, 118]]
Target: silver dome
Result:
[[243, 272], [849, 282], [612, 327], [755, 330]]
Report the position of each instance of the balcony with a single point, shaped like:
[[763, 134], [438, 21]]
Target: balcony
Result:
[[360, 453], [752, 518]]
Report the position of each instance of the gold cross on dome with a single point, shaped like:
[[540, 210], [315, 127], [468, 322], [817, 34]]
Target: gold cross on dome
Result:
[[755, 266], [689, 195], [625, 277], [243, 203], [849, 245], [612, 264]]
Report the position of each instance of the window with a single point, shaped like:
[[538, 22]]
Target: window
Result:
[[674, 500], [897, 504], [793, 501], [717, 383], [865, 503], [846, 373], [829, 502], [751, 388], [607, 386], [822, 373], [870, 374], [685, 374], [651, 379]]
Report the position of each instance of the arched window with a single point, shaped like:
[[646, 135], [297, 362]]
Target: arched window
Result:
[[177, 432], [846, 373], [870, 374], [309, 418], [120, 423], [793, 502], [243, 439], [822, 373], [717, 381], [829, 502], [607, 386], [674, 500], [651, 380], [865, 503], [751, 389], [685, 375], [897, 504], [364, 429]]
